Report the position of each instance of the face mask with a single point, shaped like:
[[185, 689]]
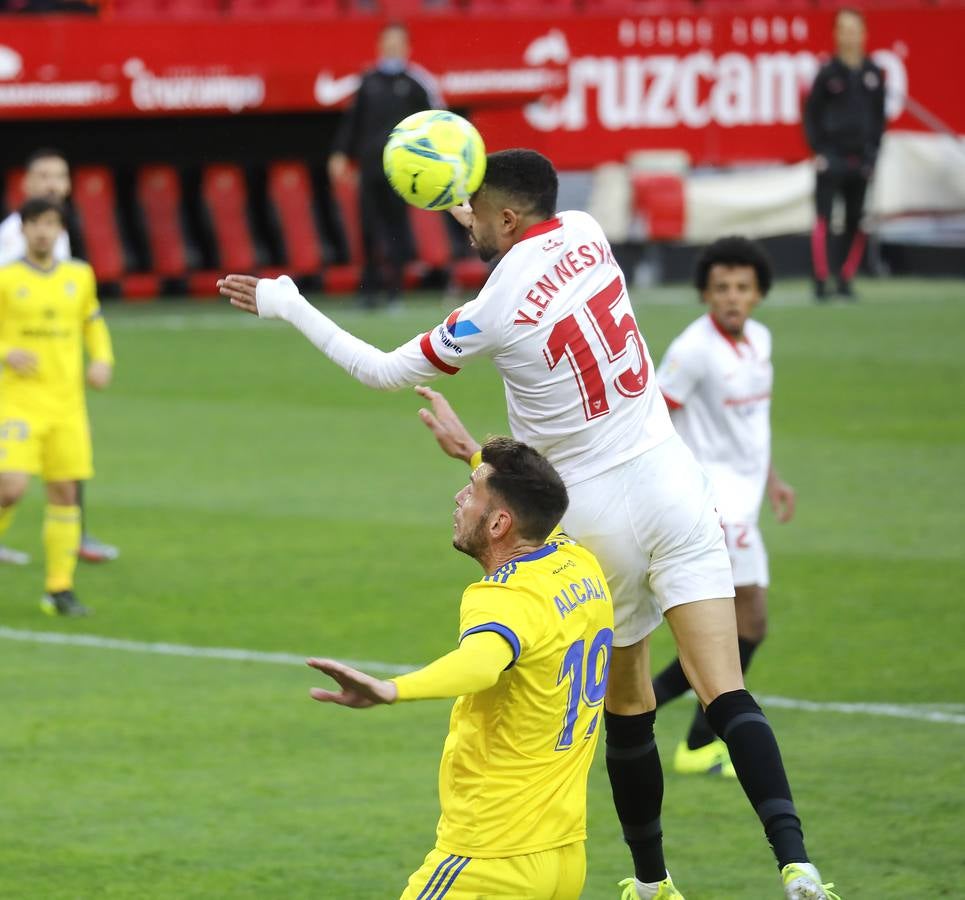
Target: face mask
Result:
[[391, 66]]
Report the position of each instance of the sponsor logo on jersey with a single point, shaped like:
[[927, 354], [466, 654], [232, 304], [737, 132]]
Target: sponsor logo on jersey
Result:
[[460, 328]]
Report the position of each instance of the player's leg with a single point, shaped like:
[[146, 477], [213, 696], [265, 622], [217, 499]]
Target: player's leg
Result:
[[19, 459], [824, 190], [602, 516], [371, 281], [67, 459], [703, 751], [853, 188], [706, 636], [396, 240], [92, 550]]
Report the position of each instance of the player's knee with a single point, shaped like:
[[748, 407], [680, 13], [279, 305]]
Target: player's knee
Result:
[[11, 490], [62, 493], [754, 629]]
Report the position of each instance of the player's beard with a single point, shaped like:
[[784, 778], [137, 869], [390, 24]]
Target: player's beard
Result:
[[473, 541]]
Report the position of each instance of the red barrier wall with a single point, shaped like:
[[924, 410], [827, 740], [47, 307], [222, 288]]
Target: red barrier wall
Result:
[[723, 86]]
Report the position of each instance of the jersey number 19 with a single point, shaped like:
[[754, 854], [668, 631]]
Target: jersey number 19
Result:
[[587, 673]]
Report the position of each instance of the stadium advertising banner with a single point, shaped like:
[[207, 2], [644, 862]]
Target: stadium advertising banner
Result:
[[724, 87]]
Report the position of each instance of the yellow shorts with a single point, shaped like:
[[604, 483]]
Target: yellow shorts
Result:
[[55, 447], [556, 874]]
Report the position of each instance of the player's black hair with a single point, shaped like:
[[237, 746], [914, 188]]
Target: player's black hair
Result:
[[35, 207], [734, 251], [527, 177], [44, 153], [528, 484]]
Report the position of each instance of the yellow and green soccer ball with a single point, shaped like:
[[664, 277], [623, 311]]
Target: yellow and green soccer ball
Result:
[[434, 159]]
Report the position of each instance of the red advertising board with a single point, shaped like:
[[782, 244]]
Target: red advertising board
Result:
[[724, 87]]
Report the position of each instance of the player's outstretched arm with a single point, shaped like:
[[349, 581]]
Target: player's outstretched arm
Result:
[[357, 690], [278, 298], [446, 427]]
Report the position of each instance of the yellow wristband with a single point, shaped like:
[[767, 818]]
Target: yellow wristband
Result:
[[475, 459]]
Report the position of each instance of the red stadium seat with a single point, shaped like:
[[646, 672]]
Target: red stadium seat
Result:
[[290, 192], [344, 278], [159, 196], [96, 202], [13, 195], [225, 197], [659, 199], [434, 249]]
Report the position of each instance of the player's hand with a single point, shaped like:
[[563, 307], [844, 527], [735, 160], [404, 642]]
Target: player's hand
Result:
[[99, 374], [338, 167], [462, 214], [23, 362], [782, 498], [453, 437], [241, 290], [358, 690]]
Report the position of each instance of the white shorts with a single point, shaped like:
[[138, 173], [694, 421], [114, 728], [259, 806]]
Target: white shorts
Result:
[[652, 524], [748, 555]]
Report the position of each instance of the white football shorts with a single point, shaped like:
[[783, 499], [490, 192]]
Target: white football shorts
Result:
[[748, 555], [652, 524]]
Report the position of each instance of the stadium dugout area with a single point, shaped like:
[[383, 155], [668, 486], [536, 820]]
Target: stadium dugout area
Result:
[[200, 149]]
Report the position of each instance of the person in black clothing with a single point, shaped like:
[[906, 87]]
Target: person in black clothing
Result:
[[393, 89], [844, 119]]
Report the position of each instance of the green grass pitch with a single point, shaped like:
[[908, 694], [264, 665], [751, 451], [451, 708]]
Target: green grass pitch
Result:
[[264, 500]]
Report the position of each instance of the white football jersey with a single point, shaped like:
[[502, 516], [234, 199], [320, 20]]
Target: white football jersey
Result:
[[13, 245], [556, 320], [719, 392]]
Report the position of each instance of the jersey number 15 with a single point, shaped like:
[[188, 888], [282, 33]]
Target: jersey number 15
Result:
[[618, 338]]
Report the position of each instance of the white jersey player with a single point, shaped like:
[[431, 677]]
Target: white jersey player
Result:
[[717, 379], [555, 319]]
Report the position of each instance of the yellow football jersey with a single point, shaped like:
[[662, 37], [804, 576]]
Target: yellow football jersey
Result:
[[53, 314], [514, 767]]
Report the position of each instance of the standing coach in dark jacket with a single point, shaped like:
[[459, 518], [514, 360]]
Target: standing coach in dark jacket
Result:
[[844, 119], [392, 90]]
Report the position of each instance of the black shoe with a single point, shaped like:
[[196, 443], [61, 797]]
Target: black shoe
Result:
[[63, 603], [820, 291], [845, 290]]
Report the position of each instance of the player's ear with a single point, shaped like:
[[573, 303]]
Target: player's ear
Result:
[[500, 524], [509, 221]]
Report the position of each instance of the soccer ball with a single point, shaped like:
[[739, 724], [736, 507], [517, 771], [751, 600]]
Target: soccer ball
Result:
[[434, 159]]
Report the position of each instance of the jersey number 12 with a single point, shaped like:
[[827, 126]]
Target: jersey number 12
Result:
[[568, 340]]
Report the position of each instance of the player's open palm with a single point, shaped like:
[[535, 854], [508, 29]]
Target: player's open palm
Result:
[[241, 290], [357, 690]]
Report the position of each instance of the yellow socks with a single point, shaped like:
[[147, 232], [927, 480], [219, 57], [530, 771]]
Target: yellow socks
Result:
[[6, 518], [61, 542]]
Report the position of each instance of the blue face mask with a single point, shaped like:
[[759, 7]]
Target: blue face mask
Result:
[[391, 66]]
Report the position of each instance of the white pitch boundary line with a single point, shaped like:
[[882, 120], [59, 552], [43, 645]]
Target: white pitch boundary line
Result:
[[890, 710]]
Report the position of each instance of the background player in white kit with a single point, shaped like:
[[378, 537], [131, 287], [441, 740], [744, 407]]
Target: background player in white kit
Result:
[[717, 378], [556, 320], [47, 176]]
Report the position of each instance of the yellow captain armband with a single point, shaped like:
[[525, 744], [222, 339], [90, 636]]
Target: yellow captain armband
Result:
[[476, 459]]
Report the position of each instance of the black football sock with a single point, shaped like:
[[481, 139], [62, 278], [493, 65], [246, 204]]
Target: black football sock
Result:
[[670, 683], [701, 734], [636, 779], [739, 721], [80, 504]]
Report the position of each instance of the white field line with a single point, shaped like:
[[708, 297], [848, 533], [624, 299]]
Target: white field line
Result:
[[925, 712]]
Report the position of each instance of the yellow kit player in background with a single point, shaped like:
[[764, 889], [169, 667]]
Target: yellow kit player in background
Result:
[[48, 314], [530, 673]]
